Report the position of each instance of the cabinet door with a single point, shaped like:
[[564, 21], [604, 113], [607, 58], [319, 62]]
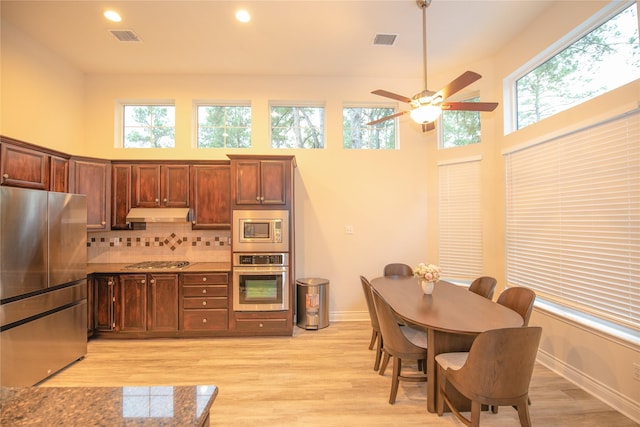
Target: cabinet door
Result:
[[59, 180], [104, 299], [132, 304], [163, 302], [247, 182], [174, 186], [211, 196], [273, 180], [23, 167], [146, 186], [120, 196], [92, 178]]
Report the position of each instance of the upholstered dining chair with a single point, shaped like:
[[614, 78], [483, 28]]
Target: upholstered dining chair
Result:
[[397, 269], [518, 299], [399, 346], [483, 286], [376, 337], [496, 371]]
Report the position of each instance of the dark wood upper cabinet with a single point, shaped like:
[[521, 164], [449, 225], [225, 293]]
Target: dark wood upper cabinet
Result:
[[156, 185], [265, 181], [211, 196], [92, 177], [59, 180], [24, 167], [120, 195]]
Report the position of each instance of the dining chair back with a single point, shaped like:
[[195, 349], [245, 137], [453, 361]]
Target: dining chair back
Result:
[[496, 371], [376, 337], [520, 300], [483, 286], [398, 345], [397, 269]]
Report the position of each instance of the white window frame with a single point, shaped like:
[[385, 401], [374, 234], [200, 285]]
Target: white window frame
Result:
[[396, 130], [458, 98], [119, 119], [212, 103], [509, 83], [299, 104]]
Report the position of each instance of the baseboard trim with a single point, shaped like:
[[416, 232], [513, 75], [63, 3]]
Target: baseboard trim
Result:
[[600, 391], [349, 316]]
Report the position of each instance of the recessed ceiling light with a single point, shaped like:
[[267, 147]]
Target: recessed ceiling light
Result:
[[243, 16], [112, 15]]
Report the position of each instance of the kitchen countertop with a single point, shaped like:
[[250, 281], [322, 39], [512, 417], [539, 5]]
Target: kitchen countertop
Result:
[[107, 406], [199, 267]]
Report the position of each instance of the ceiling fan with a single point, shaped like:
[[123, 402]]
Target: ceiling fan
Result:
[[427, 105]]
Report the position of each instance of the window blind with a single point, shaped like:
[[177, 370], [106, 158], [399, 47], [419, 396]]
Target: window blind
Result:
[[460, 220], [573, 219]]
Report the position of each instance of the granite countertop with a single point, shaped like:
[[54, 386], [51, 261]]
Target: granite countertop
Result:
[[196, 267], [158, 406]]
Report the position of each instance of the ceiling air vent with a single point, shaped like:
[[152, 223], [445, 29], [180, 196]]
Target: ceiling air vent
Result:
[[125, 35], [384, 39]]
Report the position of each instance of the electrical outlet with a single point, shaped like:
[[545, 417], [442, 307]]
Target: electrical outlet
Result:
[[348, 229], [636, 371]]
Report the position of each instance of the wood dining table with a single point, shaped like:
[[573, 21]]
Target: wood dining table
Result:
[[452, 316]]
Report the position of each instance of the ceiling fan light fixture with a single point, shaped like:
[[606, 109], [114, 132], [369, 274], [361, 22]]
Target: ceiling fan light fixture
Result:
[[425, 114]]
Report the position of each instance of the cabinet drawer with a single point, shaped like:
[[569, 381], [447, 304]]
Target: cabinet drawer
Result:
[[211, 320], [205, 278], [258, 325], [205, 291], [206, 303]]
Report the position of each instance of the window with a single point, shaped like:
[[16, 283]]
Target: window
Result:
[[573, 220], [358, 135], [224, 126], [605, 58], [148, 126], [460, 219], [297, 126], [460, 128]]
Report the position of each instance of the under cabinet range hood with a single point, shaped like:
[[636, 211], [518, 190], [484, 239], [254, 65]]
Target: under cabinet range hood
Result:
[[158, 215]]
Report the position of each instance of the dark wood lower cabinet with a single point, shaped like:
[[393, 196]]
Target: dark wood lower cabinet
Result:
[[163, 302], [173, 305]]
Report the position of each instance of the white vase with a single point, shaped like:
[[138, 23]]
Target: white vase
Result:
[[427, 287]]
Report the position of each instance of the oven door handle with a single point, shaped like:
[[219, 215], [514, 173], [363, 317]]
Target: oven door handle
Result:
[[261, 270]]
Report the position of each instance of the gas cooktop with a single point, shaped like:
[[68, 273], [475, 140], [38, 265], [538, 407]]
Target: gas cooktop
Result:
[[158, 265]]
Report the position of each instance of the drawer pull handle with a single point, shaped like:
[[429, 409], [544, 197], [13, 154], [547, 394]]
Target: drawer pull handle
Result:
[[204, 291], [204, 303], [261, 324], [204, 279], [204, 320]]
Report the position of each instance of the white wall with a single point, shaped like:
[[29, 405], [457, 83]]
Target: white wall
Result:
[[41, 95]]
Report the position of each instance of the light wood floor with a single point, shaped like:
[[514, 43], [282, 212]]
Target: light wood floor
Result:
[[315, 378]]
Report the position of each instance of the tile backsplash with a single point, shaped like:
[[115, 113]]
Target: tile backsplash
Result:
[[161, 242]]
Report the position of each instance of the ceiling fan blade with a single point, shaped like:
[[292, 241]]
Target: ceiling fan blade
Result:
[[426, 127], [393, 116], [462, 81], [391, 95], [469, 106]]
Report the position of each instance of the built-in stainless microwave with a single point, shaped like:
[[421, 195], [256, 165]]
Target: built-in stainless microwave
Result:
[[260, 231]]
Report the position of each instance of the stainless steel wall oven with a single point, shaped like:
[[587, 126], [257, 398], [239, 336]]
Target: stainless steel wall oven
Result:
[[260, 281]]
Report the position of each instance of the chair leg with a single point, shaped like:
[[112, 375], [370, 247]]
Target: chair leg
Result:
[[376, 364], [374, 338], [523, 414], [475, 413], [385, 362], [395, 379]]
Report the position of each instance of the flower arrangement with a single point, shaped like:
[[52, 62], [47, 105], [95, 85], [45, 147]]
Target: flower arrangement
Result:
[[427, 272]]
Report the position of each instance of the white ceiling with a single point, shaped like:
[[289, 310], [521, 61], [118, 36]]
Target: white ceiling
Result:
[[294, 37]]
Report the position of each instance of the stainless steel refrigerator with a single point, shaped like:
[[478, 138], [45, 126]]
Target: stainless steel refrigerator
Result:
[[43, 286]]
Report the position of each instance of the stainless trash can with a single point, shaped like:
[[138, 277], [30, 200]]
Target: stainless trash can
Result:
[[313, 303]]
